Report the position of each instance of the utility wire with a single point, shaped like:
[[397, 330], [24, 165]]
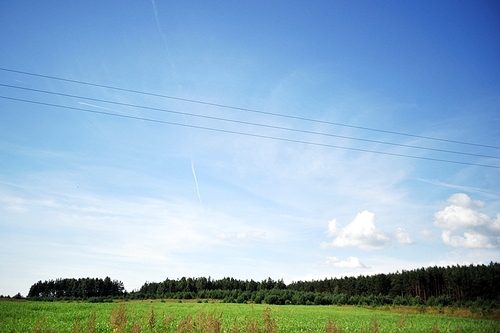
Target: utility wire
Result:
[[247, 109], [247, 134], [248, 123]]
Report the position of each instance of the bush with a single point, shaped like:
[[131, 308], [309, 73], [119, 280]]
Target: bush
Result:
[[399, 300], [432, 301]]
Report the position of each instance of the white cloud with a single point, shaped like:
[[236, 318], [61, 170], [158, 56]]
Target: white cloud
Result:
[[360, 233], [403, 237], [495, 225], [332, 228], [351, 262], [470, 239], [463, 200], [459, 217]]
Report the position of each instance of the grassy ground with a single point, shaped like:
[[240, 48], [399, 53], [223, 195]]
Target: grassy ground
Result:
[[147, 316]]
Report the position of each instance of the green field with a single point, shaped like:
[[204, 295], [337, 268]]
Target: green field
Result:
[[147, 316]]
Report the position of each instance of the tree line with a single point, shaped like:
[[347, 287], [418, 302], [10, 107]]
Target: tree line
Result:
[[83, 288], [435, 286], [445, 286]]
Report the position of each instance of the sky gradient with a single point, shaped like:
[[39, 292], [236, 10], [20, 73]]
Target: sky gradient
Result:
[[304, 140]]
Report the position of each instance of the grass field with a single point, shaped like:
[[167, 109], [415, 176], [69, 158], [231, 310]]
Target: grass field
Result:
[[147, 316]]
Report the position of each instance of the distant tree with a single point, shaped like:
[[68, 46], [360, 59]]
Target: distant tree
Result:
[[81, 288]]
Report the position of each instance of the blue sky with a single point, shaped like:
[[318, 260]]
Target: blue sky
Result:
[[87, 194]]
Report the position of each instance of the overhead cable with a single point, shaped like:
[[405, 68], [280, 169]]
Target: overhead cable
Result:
[[247, 122], [247, 109], [248, 134]]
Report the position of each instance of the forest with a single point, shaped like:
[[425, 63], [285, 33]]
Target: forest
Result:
[[462, 286], [84, 288]]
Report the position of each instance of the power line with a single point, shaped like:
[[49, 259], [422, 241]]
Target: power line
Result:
[[247, 134], [247, 109], [247, 122]]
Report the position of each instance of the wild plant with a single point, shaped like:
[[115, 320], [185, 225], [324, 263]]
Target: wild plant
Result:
[[331, 327], [136, 327], [402, 321], [186, 325], [209, 323], [151, 320], [77, 327], [167, 319], [374, 325], [91, 326], [118, 319], [435, 328], [235, 327], [39, 327], [252, 326], [270, 325]]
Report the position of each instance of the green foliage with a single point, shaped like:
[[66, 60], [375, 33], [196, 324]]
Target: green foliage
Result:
[[432, 286], [76, 289]]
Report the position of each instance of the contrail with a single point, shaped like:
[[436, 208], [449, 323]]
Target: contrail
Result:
[[196, 182], [164, 38], [162, 35], [156, 16]]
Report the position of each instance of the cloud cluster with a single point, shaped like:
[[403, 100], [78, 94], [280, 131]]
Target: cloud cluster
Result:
[[461, 215], [363, 234]]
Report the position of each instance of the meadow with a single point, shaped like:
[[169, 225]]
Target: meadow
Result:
[[159, 316]]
